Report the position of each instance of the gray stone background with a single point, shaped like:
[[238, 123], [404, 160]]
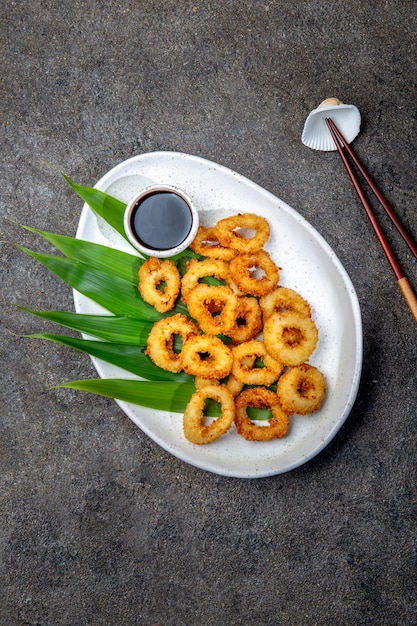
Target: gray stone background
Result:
[[99, 525]]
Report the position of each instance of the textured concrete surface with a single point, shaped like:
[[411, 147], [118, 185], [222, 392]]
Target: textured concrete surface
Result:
[[100, 526]]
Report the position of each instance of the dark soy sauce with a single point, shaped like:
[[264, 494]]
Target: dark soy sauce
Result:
[[161, 220]]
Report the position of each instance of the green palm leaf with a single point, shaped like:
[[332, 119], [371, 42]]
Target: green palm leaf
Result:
[[115, 262], [114, 293], [107, 207], [169, 396], [117, 328], [129, 357]]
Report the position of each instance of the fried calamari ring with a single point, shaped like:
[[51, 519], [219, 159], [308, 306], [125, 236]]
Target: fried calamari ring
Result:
[[214, 308], [195, 430], [160, 344], [201, 269], [290, 338], [207, 357], [234, 385], [248, 321], [159, 283], [236, 232], [254, 273], [283, 299], [201, 382], [260, 398], [249, 374], [301, 389], [206, 242]]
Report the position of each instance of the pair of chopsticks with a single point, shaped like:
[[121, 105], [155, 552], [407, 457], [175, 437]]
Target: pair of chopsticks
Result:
[[343, 147]]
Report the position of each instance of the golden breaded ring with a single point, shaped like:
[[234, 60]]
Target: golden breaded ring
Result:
[[248, 321], [282, 300], [201, 382], [260, 398], [290, 338], [250, 374], [301, 389], [234, 385], [195, 430], [206, 356], [254, 273], [159, 283], [207, 243], [214, 308], [160, 344], [201, 269], [232, 232]]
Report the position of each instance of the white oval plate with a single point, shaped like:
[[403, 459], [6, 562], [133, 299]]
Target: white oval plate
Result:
[[308, 265]]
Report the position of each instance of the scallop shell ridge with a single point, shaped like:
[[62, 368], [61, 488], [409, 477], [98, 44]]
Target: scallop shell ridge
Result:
[[316, 134]]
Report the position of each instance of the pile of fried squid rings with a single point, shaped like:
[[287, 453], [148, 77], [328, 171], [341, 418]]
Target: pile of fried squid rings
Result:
[[246, 340]]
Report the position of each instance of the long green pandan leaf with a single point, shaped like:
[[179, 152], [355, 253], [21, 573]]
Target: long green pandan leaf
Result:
[[107, 207], [101, 257], [117, 295], [169, 396], [117, 328], [127, 356]]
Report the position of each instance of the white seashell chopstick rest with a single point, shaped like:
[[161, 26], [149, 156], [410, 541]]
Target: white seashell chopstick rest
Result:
[[316, 133]]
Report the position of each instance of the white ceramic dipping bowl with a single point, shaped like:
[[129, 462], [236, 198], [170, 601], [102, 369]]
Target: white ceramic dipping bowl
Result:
[[161, 221]]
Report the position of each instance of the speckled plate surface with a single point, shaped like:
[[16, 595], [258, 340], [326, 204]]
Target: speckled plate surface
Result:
[[308, 265]]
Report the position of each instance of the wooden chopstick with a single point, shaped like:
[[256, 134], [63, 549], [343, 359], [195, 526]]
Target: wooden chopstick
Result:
[[383, 201], [402, 281]]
